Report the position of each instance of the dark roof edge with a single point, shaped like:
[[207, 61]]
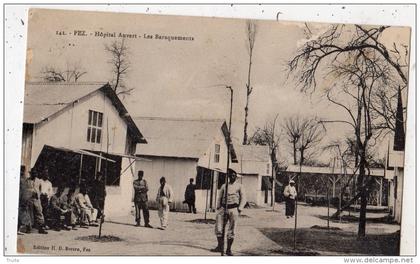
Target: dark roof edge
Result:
[[131, 126]]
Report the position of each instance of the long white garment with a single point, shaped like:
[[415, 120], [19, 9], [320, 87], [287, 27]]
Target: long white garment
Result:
[[164, 198]]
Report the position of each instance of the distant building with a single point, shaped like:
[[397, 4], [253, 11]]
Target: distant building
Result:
[[314, 182], [72, 129], [255, 168], [180, 149], [395, 164]]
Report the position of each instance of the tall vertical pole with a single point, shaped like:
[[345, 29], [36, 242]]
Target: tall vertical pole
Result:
[[80, 168], [227, 169], [207, 190], [105, 174], [296, 204]]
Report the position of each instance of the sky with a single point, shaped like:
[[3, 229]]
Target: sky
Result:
[[186, 79]]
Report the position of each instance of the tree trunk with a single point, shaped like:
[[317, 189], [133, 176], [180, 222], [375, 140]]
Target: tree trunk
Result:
[[245, 140], [363, 195], [294, 153]]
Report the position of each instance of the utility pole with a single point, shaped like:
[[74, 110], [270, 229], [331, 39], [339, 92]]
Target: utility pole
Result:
[[225, 214], [296, 204]]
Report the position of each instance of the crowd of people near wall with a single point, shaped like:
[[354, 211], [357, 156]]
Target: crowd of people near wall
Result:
[[71, 207], [65, 209]]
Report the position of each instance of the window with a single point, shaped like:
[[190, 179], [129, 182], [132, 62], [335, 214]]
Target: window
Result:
[[94, 131], [268, 168], [216, 153]]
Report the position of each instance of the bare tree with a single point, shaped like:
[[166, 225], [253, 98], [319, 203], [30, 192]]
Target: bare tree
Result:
[[72, 73], [293, 132], [119, 60], [304, 134], [269, 136], [358, 58], [312, 133], [251, 32]]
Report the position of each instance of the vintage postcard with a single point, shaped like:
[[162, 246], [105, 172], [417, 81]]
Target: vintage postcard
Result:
[[174, 135]]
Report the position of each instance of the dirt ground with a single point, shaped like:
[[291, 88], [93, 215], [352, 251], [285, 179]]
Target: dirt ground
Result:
[[259, 232]]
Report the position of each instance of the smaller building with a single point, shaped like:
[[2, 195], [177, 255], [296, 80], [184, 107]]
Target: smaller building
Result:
[[255, 170], [314, 183], [180, 149]]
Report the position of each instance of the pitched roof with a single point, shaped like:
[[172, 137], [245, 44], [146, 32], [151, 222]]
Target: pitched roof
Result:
[[181, 138], [45, 100]]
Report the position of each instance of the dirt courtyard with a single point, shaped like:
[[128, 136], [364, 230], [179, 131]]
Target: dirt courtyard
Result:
[[259, 232]]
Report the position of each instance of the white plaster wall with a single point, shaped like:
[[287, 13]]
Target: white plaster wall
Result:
[[207, 159], [118, 200], [69, 129], [176, 171]]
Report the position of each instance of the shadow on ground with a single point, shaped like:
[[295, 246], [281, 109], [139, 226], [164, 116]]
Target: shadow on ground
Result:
[[354, 219], [326, 242], [202, 221]]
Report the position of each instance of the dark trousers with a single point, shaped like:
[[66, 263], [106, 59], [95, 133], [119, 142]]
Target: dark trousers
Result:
[[141, 205], [191, 207], [99, 205], [58, 219], [290, 207], [44, 203]]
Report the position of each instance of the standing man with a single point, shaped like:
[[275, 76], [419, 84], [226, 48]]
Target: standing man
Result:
[[290, 194], [164, 198], [228, 211], [24, 218], [45, 191], [98, 195], [140, 199], [190, 196], [34, 205]]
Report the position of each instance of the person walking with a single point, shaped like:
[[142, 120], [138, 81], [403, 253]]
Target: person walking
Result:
[[189, 196], [290, 194], [141, 199], [164, 198], [228, 211]]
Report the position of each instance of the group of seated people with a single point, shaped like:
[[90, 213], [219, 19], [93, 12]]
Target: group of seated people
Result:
[[66, 211]]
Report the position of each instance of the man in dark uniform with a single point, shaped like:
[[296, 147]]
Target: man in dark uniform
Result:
[[98, 194], [140, 199], [190, 196]]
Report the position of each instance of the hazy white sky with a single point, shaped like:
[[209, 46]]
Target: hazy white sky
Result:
[[178, 78]]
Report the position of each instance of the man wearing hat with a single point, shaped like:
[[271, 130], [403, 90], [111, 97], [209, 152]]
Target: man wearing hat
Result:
[[228, 211], [290, 194]]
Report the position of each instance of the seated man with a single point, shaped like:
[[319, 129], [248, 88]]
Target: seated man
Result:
[[79, 216], [86, 207], [59, 214]]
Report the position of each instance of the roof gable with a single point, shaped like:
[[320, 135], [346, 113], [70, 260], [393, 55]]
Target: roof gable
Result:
[[45, 100], [182, 138]]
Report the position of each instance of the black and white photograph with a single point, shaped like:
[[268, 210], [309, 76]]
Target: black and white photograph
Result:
[[171, 135]]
